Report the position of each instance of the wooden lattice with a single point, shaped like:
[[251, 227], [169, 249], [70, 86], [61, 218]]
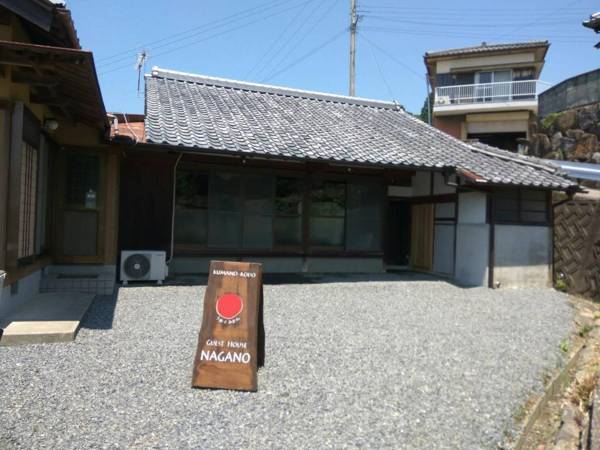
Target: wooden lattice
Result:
[[577, 246]]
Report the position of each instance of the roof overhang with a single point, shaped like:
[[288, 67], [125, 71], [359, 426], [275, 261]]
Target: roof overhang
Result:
[[63, 79]]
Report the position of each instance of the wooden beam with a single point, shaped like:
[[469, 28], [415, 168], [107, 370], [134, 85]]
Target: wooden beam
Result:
[[35, 79]]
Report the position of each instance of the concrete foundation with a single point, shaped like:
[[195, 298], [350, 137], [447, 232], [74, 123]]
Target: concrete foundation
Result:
[[199, 265]]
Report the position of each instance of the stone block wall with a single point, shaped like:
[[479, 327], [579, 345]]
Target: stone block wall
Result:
[[571, 135]]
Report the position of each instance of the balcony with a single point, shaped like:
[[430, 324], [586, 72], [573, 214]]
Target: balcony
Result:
[[501, 96]]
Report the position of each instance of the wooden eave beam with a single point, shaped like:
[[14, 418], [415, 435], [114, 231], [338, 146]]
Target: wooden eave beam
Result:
[[35, 79]]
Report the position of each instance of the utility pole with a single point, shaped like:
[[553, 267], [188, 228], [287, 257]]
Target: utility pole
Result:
[[353, 24]]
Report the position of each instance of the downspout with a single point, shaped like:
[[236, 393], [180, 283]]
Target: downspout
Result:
[[173, 208], [491, 250]]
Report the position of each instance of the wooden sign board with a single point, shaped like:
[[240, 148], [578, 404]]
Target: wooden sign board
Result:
[[231, 341]]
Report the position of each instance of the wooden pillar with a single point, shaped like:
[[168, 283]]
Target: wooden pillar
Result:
[[14, 186], [5, 113], [111, 208]]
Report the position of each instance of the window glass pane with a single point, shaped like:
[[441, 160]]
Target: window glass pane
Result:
[[258, 194], [191, 214], [328, 198], [258, 232], [530, 216], [507, 215], [534, 195], [327, 232], [287, 231], [364, 235], [225, 191], [191, 226], [363, 232], [225, 229], [530, 205], [192, 189], [364, 200], [288, 196], [83, 173]]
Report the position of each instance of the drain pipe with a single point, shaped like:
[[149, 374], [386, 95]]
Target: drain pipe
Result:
[[173, 208]]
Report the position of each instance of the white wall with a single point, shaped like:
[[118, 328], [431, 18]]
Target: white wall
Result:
[[28, 287], [522, 256], [472, 240]]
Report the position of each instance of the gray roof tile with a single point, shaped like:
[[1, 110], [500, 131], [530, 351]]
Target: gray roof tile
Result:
[[484, 48], [223, 115]]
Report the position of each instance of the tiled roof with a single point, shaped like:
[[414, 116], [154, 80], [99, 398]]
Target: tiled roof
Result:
[[204, 113], [484, 48]]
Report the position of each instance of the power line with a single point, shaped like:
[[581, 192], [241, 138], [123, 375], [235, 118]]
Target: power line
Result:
[[204, 31], [303, 38], [392, 57], [274, 44], [287, 41], [381, 74], [148, 44], [309, 53], [554, 38], [171, 50]]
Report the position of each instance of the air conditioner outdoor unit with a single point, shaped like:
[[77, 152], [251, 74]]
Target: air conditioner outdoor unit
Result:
[[442, 100], [143, 265]]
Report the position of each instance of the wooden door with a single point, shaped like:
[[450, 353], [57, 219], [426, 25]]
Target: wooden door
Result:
[[421, 255], [80, 204]]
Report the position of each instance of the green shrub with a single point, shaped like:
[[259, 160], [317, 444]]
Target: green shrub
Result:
[[549, 120], [560, 285]]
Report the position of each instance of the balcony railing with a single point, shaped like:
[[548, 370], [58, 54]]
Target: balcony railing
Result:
[[506, 91]]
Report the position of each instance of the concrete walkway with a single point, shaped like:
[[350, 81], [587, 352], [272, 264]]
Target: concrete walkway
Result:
[[45, 318]]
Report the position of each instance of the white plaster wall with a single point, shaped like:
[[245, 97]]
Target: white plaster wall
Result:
[[28, 287], [522, 256], [440, 187], [400, 191], [472, 207], [472, 240], [421, 183], [443, 249]]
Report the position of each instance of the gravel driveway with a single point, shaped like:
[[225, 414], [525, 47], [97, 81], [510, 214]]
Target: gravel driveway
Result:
[[402, 362]]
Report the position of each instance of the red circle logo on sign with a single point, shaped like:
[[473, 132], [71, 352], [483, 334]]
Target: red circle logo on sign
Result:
[[229, 306]]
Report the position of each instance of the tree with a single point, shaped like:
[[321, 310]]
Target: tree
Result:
[[424, 115]]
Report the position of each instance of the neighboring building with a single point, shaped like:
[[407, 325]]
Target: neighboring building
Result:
[[488, 92], [57, 174]]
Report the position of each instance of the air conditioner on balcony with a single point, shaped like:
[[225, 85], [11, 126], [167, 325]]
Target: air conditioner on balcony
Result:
[[143, 265], [442, 100]]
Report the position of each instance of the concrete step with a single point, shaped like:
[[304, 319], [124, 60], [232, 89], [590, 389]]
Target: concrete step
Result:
[[45, 318]]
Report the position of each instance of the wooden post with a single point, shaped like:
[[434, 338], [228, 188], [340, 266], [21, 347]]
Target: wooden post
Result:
[[231, 340]]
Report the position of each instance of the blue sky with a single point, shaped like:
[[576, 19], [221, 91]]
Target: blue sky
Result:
[[304, 43]]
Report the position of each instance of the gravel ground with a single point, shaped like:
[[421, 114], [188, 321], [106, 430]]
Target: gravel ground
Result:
[[401, 362]]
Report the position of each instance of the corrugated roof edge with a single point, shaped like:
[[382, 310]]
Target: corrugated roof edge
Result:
[[488, 47], [271, 89]]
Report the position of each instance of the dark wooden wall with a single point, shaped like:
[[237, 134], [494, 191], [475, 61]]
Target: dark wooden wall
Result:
[[146, 201]]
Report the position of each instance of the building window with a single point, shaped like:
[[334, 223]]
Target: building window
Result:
[[258, 196], [28, 202], [287, 220], [364, 217], [520, 207], [191, 208], [83, 175], [262, 212], [327, 214]]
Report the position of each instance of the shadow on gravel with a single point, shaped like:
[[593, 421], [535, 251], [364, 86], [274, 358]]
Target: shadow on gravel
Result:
[[101, 313]]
